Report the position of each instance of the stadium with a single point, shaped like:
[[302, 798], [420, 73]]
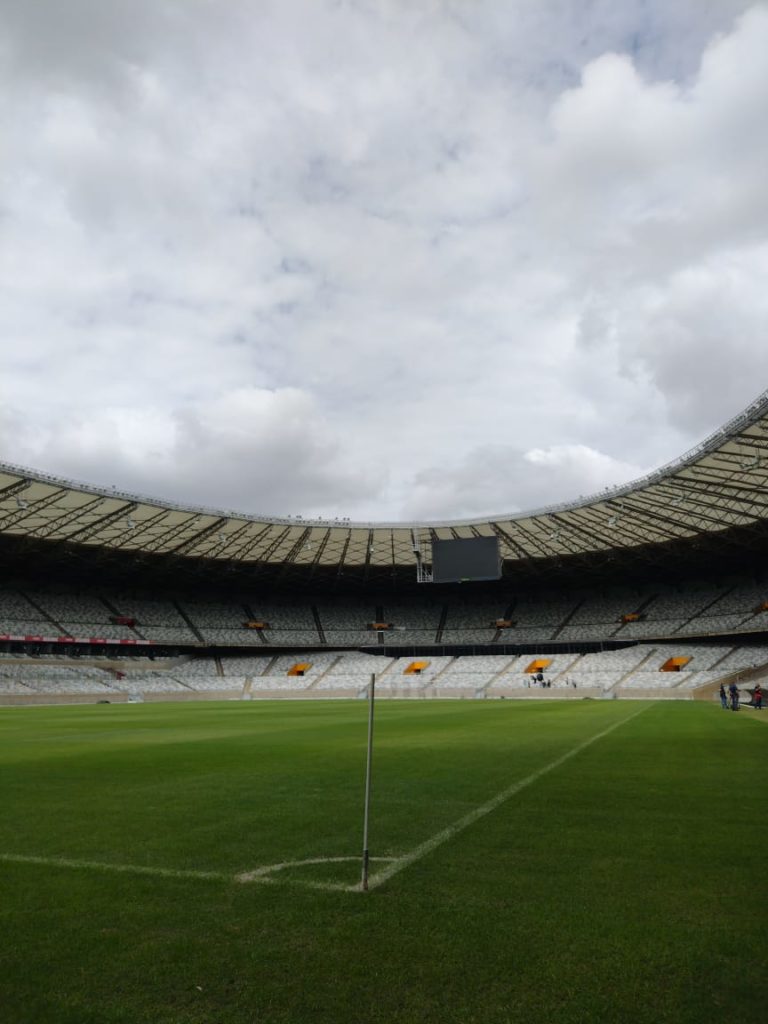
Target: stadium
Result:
[[654, 589], [551, 755], [364, 659]]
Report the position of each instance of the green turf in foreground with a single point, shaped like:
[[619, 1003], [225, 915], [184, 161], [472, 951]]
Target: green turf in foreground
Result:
[[625, 885]]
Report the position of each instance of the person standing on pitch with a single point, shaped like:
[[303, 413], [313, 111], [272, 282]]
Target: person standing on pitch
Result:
[[757, 697], [723, 697], [734, 692]]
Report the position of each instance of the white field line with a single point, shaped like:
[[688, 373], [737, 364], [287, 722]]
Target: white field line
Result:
[[263, 875], [260, 876], [129, 869], [480, 812]]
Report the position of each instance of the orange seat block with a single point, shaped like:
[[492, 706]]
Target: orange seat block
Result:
[[415, 668], [299, 668], [674, 664], [539, 665]]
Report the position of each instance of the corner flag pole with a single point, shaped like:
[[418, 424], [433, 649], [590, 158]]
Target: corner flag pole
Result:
[[371, 690]]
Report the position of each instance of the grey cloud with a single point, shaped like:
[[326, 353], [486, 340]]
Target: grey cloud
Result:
[[518, 479], [249, 449]]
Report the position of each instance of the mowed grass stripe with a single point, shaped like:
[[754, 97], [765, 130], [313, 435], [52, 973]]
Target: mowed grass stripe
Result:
[[117, 786], [239, 794], [452, 830], [624, 887]]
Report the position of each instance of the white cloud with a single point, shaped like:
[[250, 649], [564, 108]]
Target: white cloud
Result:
[[519, 480], [249, 449], [400, 246]]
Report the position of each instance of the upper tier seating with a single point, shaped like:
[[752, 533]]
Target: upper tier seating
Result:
[[732, 609], [158, 621], [290, 625], [413, 623], [598, 617], [694, 610], [668, 612], [21, 618], [538, 618], [468, 623], [221, 623], [345, 625]]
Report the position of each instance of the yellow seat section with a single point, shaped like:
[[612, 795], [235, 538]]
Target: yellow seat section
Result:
[[415, 668], [299, 668], [674, 664]]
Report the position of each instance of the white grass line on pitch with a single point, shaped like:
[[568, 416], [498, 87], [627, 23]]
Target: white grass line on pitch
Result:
[[480, 812], [264, 875], [260, 876], [129, 869]]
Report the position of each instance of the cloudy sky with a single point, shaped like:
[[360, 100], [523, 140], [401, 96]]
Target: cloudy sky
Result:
[[378, 258]]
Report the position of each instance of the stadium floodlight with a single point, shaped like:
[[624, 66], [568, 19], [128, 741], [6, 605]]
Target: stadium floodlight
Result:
[[21, 503], [368, 760]]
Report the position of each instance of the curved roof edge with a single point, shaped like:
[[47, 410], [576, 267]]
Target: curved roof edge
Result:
[[755, 411], [719, 485]]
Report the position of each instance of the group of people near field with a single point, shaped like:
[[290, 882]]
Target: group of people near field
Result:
[[545, 684], [730, 699]]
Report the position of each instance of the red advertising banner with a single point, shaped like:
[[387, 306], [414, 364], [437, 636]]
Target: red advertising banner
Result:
[[33, 639]]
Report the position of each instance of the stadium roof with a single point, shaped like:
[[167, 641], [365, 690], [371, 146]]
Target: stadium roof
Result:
[[719, 488]]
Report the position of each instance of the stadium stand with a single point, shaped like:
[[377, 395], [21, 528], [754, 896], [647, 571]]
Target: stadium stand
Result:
[[346, 625], [54, 678], [289, 625], [80, 615], [598, 617], [704, 610], [158, 621], [467, 623], [674, 558], [540, 618], [19, 616], [733, 608], [414, 624], [474, 672], [221, 623], [666, 613], [631, 670]]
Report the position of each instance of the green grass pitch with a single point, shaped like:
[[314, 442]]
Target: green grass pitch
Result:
[[626, 883]]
